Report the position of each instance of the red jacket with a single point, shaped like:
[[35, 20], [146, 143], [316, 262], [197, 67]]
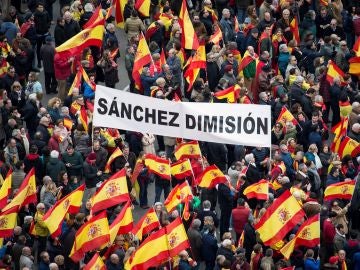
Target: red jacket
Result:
[[62, 67], [328, 232], [240, 216]]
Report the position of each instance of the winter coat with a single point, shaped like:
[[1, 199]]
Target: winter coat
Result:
[[133, 26], [29, 114], [49, 199], [17, 178], [47, 53], [76, 161], [54, 167], [90, 175], [59, 35], [34, 161], [42, 22], [62, 67], [148, 141], [209, 247], [71, 29]]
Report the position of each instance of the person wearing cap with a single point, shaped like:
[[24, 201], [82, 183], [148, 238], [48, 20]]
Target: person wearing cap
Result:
[[91, 176]]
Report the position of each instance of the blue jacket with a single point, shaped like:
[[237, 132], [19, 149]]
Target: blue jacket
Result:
[[147, 82], [88, 92], [288, 161], [283, 61], [311, 264], [10, 30], [332, 180], [356, 261]]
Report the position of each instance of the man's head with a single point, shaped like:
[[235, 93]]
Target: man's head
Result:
[[226, 13], [45, 257]]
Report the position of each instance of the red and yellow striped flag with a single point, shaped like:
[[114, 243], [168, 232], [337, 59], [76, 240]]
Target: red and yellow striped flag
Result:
[[26, 193], [356, 47], [112, 191], [71, 203], [87, 80], [143, 7], [181, 169], [8, 221], [68, 123], [217, 36], [188, 150], [343, 190], [212, 13], [334, 72], [210, 177], [259, 190], [142, 58], [119, 13], [247, 59], [354, 67], [146, 224], [177, 237], [90, 235], [324, 2], [189, 38], [294, 27], [308, 235], [236, 25], [232, 94], [95, 263], [279, 219], [95, 19], [194, 64], [348, 146], [114, 155], [5, 189], [83, 117], [123, 223], [180, 194], [159, 166], [286, 116], [166, 19], [76, 82], [340, 128]]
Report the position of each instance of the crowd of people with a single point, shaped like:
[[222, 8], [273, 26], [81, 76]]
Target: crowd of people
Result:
[[283, 72]]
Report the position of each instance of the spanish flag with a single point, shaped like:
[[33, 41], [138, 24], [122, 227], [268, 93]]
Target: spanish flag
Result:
[[236, 25], [112, 191], [85, 76], [232, 94], [146, 224], [334, 72], [84, 119], [177, 237], [348, 146], [340, 129], [143, 7], [142, 58], [182, 56], [68, 123], [114, 155], [95, 263], [26, 193], [86, 38], [247, 59], [343, 190], [212, 13], [259, 190], [166, 19], [324, 2], [189, 38], [162, 57], [71, 203], [181, 169], [356, 47], [95, 19], [159, 166], [8, 221], [279, 219], [151, 253], [76, 82], [217, 36], [210, 177], [180, 194], [109, 12], [119, 13], [188, 150], [90, 235], [5, 189], [345, 108], [194, 64], [354, 67], [286, 116], [123, 223], [308, 235], [294, 27]]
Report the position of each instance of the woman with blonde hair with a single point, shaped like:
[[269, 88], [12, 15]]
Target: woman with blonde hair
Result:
[[76, 10], [54, 108], [50, 195], [64, 133]]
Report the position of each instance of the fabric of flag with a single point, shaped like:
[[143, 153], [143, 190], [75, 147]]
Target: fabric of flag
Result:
[[90, 235], [5, 189], [85, 76], [210, 177], [142, 58], [68, 123], [334, 72], [119, 13], [246, 60], [8, 221], [76, 82], [96, 18], [345, 108], [217, 36], [95, 263], [343, 190], [324, 2], [26, 193], [189, 38], [232, 94], [162, 57], [356, 47], [166, 19], [308, 235], [84, 119], [71, 203], [286, 116], [212, 13], [259, 190], [340, 128], [354, 65], [152, 252], [86, 38], [348, 146], [182, 56], [112, 191], [236, 25], [143, 7], [159, 166], [177, 237], [187, 150], [123, 223], [109, 12], [294, 27], [146, 224], [114, 155], [194, 64], [180, 194], [181, 169], [279, 219]]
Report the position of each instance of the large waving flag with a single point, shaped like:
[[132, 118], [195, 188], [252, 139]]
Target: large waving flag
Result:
[[188, 150], [340, 128], [181, 169], [354, 67], [177, 237], [308, 235], [210, 177], [87, 37], [76, 82], [146, 224], [334, 72], [348, 146], [5, 189], [112, 191], [71, 203], [95, 263], [180, 194], [232, 94], [95, 19], [286, 116], [8, 221], [194, 64], [123, 223], [90, 235], [142, 58], [26, 193], [114, 155], [85, 76], [279, 219], [119, 12], [259, 190], [189, 39], [343, 190], [143, 6], [159, 166], [294, 27], [217, 36]]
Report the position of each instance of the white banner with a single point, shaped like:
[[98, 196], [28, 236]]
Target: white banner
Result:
[[242, 124]]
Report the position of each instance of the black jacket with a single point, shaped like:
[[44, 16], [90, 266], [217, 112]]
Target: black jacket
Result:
[[59, 35], [224, 196], [71, 29], [91, 178], [29, 113], [42, 22]]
